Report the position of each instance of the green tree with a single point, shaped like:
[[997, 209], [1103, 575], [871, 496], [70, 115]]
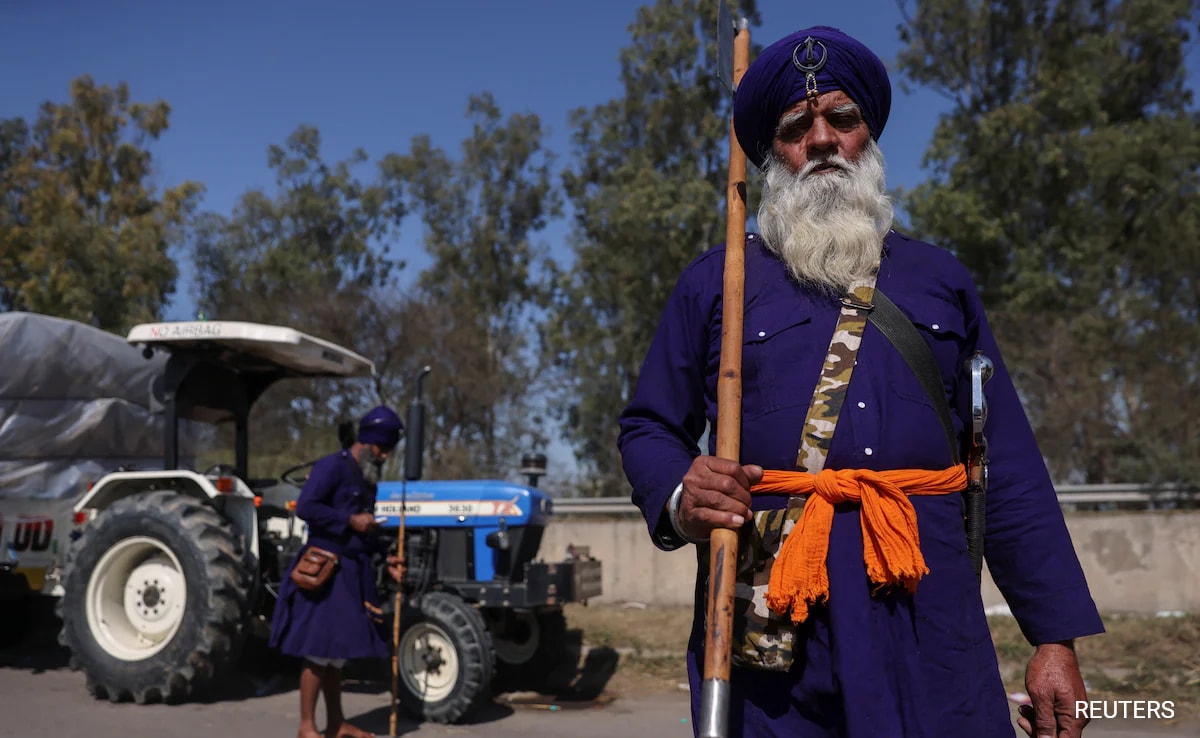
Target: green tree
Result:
[[647, 189], [1065, 177], [481, 214], [323, 232], [313, 256], [84, 233]]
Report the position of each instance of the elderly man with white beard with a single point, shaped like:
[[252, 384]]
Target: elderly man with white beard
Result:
[[858, 607]]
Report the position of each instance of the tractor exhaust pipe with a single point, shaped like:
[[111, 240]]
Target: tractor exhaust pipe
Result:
[[414, 446]]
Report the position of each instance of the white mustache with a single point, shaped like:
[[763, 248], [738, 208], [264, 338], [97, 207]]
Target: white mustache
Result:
[[833, 160]]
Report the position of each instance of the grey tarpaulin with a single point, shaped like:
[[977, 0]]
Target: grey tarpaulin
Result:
[[74, 405]]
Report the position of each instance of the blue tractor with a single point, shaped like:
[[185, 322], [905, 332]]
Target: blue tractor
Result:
[[480, 609]]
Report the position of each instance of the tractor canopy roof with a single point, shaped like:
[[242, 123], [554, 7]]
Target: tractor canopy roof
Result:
[[217, 368], [255, 347]]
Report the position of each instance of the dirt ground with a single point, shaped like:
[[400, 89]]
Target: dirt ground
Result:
[[1147, 658], [650, 643], [630, 650], [630, 675]]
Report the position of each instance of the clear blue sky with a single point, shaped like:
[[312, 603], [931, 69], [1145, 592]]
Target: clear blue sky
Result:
[[369, 74]]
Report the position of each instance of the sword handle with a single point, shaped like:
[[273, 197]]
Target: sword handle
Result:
[[981, 370], [975, 527]]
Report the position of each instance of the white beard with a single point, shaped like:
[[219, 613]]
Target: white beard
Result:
[[370, 464], [827, 228]]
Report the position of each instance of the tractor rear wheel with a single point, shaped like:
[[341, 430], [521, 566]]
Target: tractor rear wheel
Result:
[[156, 599], [531, 648], [445, 658]]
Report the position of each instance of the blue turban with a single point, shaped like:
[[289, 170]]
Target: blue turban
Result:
[[381, 427], [774, 83]]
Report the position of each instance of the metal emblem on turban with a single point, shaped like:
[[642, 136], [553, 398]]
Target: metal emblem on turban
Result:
[[810, 63]]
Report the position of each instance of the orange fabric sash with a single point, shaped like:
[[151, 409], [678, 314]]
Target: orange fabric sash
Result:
[[891, 546]]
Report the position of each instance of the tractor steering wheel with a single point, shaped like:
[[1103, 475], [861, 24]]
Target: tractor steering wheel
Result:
[[293, 475]]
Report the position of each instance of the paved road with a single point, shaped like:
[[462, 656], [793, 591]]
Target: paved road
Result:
[[39, 696], [53, 702]]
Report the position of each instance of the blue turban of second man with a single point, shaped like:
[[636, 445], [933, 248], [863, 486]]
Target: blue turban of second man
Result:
[[381, 426]]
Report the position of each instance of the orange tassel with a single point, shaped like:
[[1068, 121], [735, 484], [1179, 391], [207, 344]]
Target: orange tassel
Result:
[[891, 545]]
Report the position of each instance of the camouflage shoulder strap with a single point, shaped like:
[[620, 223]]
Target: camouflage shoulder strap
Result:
[[831, 388], [763, 639]]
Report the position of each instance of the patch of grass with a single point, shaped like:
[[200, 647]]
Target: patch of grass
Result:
[[1138, 658], [644, 631]]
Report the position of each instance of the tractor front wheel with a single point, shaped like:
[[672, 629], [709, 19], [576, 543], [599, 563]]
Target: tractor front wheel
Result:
[[445, 658]]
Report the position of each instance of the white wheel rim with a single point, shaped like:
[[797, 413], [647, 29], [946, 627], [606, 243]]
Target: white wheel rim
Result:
[[513, 651], [429, 662], [136, 597]]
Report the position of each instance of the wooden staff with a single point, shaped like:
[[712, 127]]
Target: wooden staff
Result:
[[714, 700], [396, 616], [414, 449]]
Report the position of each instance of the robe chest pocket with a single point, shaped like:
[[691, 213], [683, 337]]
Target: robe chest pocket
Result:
[[779, 362], [941, 325]]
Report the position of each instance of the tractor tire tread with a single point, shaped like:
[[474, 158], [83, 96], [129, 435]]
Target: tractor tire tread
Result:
[[476, 660], [227, 577]]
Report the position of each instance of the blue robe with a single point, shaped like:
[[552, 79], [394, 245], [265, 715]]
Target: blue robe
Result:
[[335, 623], [889, 664]]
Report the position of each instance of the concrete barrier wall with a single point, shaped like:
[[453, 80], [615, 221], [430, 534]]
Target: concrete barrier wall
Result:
[[635, 570], [1136, 562]]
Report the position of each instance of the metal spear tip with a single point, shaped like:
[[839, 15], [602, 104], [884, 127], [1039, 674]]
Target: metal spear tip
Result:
[[726, 30]]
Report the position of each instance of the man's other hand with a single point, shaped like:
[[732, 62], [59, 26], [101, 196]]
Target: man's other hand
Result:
[[396, 567], [363, 522], [1054, 684]]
